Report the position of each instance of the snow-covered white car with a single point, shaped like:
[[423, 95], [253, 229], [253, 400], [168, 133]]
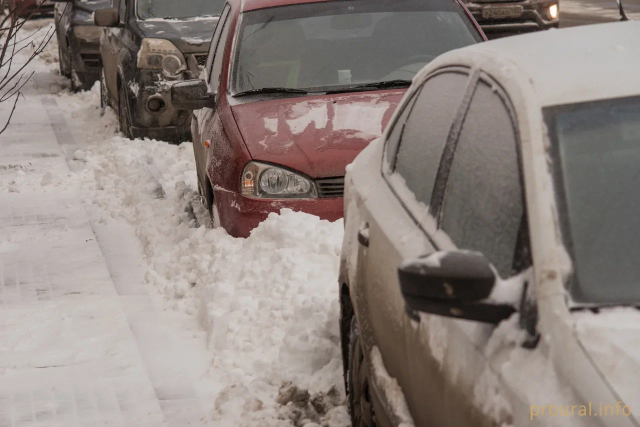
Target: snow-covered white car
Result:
[[490, 272]]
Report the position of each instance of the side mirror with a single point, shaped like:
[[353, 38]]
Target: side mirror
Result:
[[107, 17], [459, 284], [192, 95]]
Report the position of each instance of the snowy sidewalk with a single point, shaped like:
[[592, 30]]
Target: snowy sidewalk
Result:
[[79, 344]]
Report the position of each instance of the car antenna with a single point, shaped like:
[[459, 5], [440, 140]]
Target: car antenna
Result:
[[623, 17]]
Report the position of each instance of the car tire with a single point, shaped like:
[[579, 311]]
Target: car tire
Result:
[[360, 404], [61, 60], [124, 116], [104, 102], [206, 197]]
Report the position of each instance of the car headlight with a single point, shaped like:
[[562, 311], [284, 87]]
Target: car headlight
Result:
[[160, 54], [553, 11], [273, 182], [87, 32]]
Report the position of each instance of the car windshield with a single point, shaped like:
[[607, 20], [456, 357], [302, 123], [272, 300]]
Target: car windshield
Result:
[[343, 44], [93, 4], [597, 149], [174, 9]]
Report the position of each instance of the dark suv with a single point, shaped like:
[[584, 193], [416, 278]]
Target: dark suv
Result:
[[147, 46], [506, 17], [79, 41]]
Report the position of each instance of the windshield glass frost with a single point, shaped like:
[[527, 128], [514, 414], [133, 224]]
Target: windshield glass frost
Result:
[[599, 150], [173, 9], [343, 43]]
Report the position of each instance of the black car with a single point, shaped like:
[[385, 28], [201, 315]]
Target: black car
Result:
[[79, 41], [507, 17], [147, 46]]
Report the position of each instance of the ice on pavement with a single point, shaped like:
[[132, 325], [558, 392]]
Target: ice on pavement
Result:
[[268, 304]]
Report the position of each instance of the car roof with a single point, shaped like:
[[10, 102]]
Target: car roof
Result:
[[248, 5], [564, 66]]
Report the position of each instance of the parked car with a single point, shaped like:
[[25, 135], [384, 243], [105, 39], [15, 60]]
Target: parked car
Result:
[[500, 17], [147, 46], [304, 89], [79, 41], [27, 8], [502, 185]]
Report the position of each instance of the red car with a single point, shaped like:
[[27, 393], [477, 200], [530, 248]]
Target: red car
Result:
[[26, 8], [293, 90]]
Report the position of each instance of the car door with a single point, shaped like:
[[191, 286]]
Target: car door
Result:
[[478, 203], [396, 221], [110, 46], [204, 117]]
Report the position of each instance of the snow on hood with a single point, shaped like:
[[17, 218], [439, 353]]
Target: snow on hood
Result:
[[612, 340], [318, 136]]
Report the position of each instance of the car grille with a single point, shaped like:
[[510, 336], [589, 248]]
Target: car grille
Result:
[[91, 59], [201, 59], [330, 187]]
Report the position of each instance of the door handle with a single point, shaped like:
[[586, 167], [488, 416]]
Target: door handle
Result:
[[363, 235]]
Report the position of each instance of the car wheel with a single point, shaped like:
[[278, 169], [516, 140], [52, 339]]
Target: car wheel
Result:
[[206, 197], [61, 63], [75, 82], [360, 404], [124, 117], [104, 103]]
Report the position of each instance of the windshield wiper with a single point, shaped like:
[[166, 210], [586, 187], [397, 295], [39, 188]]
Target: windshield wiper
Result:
[[268, 90], [387, 84]]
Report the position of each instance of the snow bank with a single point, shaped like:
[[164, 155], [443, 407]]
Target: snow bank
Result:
[[268, 303]]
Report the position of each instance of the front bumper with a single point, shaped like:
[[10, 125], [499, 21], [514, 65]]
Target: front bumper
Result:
[[239, 215], [153, 114], [527, 16]]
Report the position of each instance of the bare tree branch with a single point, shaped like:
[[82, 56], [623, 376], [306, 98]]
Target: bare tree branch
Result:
[[13, 109], [12, 81]]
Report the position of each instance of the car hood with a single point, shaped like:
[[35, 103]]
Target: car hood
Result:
[[190, 36], [318, 136], [612, 340]]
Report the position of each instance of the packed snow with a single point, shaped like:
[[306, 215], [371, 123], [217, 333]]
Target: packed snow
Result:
[[267, 304]]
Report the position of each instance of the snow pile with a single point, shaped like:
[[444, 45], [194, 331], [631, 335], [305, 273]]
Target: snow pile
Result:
[[268, 303]]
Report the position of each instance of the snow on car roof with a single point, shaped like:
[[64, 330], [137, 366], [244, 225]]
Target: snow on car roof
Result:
[[564, 66]]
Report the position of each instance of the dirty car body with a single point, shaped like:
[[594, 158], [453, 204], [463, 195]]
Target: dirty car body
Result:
[[293, 91], [79, 41], [152, 45], [489, 258]]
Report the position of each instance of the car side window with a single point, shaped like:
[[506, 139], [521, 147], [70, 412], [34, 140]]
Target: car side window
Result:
[[215, 40], [483, 206], [426, 131], [218, 58], [398, 127]]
